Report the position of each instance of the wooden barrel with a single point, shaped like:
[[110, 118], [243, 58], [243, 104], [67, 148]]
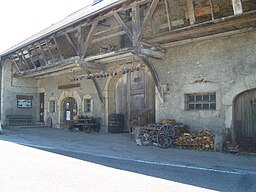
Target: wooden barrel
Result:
[[115, 123]]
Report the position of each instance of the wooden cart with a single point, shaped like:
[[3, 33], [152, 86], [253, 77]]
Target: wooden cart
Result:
[[162, 135]]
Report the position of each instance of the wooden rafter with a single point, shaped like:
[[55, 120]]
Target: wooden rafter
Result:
[[168, 14], [124, 26], [147, 18], [58, 48], [80, 39], [89, 38], [191, 12], [49, 49], [135, 24], [71, 43], [42, 52], [146, 61], [16, 64], [108, 36], [21, 59], [99, 91], [24, 59]]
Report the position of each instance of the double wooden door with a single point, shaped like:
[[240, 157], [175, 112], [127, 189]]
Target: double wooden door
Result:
[[135, 92], [245, 120]]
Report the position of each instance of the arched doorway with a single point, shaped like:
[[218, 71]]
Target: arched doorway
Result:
[[245, 120], [69, 106]]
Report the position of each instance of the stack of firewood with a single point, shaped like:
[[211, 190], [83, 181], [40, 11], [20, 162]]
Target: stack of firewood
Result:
[[202, 140]]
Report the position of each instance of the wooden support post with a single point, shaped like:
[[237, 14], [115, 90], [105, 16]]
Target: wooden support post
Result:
[[191, 12], [135, 24], [124, 26], [168, 14], [237, 7], [58, 48], [16, 64], [24, 59], [71, 43], [42, 52], [89, 38], [212, 11], [80, 40], [145, 60], [21, 59], [49, 49], [99, 91], [147, 18]]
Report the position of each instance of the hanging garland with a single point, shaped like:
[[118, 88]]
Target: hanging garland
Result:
[[103, 74]]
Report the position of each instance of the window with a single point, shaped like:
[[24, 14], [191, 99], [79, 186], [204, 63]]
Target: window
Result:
[[52, 107], [201, 101], [87, 105]]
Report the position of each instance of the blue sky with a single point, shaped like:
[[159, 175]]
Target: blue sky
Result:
[[22, 19]]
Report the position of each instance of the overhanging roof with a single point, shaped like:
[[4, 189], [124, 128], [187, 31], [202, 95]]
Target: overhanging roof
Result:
[[79, 15]]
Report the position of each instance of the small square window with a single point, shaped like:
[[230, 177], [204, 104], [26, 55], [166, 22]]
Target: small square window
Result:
[[199, 98], [191, 106], [206, 98], [213, 106], [206, 106], [198, 106], [213, 98], [191, 98]]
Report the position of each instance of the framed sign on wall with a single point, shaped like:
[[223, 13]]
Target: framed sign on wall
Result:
[[24, 101]]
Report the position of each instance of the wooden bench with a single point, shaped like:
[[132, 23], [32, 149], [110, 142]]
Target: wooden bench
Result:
[[19, 119]]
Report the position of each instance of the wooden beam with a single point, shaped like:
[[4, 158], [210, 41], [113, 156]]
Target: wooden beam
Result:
[[147, 18], [168, 14], [71, 43], [191, 12], [13, 60], [153, 53], [21, 59], [99, 91], [89, 38], [124, 26], [58, 48], [80, 40], [49, 49], [42, 52], [211, 27], [24, 59], [146, 61], [237, 7], [109, 36], [135, 24]]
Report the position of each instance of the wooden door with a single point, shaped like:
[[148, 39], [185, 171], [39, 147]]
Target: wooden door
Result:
[[70, 109], [245, 120], [135, 92], [41, 107]]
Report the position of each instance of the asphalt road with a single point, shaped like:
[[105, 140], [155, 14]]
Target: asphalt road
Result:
[[24, 168]]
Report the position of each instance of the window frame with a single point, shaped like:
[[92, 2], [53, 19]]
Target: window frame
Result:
[[201, 102]]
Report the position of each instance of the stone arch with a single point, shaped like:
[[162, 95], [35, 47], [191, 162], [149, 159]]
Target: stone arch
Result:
[[66, 94], [241, 85]]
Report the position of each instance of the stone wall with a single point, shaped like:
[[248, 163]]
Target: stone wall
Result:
[[224, 65], [10, 88]]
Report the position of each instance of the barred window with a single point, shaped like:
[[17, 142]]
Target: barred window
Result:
[[52, 106], [88, 105], [201, 101]]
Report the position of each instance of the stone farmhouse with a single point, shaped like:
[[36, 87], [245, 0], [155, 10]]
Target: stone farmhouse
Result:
[[189, 60]]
